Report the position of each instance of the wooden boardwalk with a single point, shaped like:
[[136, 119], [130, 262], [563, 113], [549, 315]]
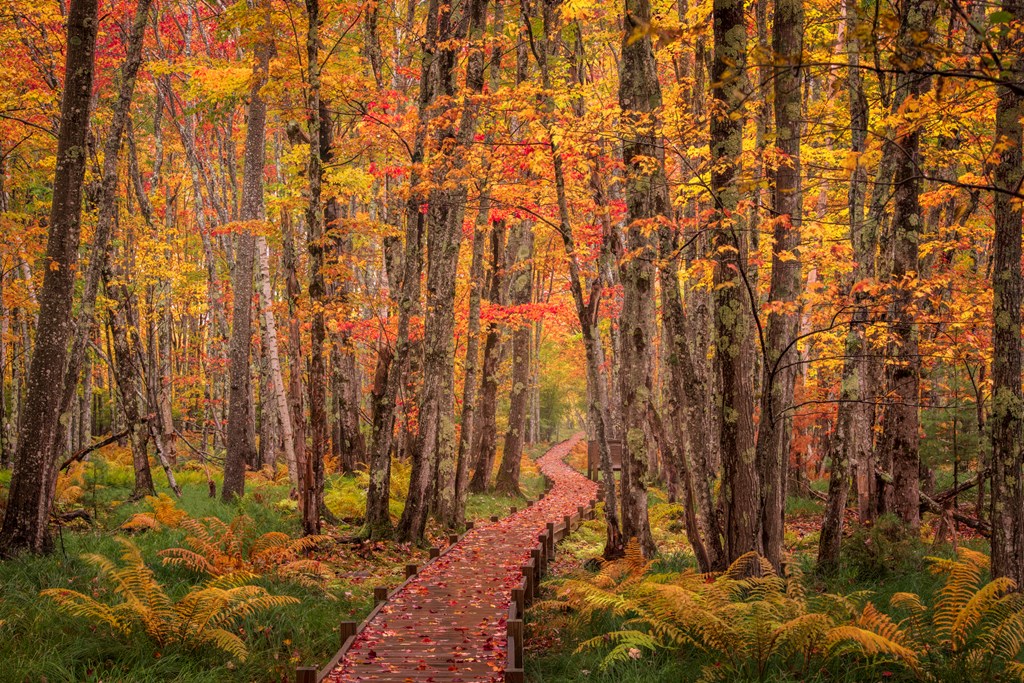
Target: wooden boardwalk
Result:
[[449, 622]]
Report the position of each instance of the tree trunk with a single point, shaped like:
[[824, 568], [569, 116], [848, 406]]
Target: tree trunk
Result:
[[774, 428], [485, 423], [647, 204], [901, 419], [1007, 402], [856, 415], [126, 372], [520, 293], [740, 486], [34, 477], [313, 472], [280, 397], [295, 363], [470, 381], [241, 448]]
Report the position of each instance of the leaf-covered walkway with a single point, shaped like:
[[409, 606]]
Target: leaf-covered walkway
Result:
[[448, 624]]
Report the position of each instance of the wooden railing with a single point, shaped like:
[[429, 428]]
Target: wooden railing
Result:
[[525, 593]]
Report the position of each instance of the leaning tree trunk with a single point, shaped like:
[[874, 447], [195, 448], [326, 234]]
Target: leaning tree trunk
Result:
[[740, 487], [587, 310], [34, 477], [775, 426], [520, 293], [647, 203], [241, 448], [1007, 401], [126, 373], [105, 223]]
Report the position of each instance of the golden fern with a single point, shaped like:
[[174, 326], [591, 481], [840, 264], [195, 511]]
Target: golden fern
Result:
[[206, 616], [164, 513], [215, 548]]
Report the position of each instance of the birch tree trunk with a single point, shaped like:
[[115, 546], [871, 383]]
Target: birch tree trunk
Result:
[[280, 396]]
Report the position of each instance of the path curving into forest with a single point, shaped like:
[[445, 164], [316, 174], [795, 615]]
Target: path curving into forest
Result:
[[448, 623]]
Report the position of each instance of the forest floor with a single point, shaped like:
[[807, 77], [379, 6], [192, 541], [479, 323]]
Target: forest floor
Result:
[[40, 642]]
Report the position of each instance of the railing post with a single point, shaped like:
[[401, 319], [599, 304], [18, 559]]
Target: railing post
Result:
[[538, 563], [551, 539], [380, 594], [453, 539], [567, 520], [582, 512], [527, 570], [514, 629], [469, 526], [305, 674], [435, 552], [346, 630], [512, 510], [519, 597], [410, 570]]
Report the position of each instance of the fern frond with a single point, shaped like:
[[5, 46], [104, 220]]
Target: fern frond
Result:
[[870, 643]]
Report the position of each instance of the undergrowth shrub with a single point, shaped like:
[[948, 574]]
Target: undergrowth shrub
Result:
[[884, 548], [207, 616], [346, 496], [753, 625]]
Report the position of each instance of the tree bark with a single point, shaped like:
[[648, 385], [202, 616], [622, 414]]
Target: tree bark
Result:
[[647, 206], [313, 472], [901, 418], [34, 477], [740, 485], [775, 426], [280, 397], [485, 423], [856, 415], [520, 293], [126, 372], [241, 448], [1007, 501], [470, 382]]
